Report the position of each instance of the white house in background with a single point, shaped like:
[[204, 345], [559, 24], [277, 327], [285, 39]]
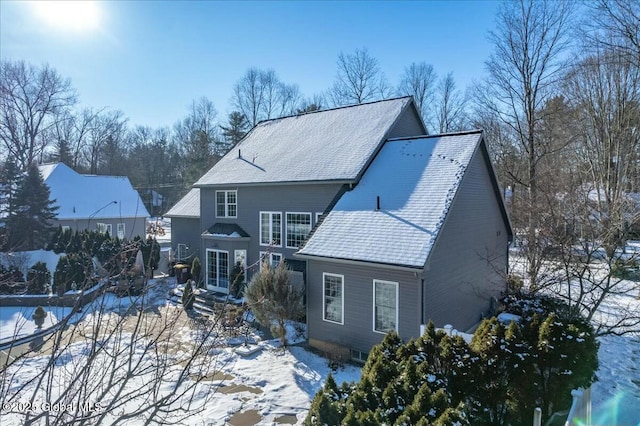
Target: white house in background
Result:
[[92, 202]]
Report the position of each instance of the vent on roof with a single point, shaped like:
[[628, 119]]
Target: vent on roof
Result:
[[377, 202]]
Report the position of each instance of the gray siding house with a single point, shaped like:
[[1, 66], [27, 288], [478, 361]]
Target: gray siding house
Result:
[[423, 236], [387, 227], [261, 200], [185, 226], [95, 202]]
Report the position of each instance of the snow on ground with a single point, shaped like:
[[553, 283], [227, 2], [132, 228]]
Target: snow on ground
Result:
[[616, 396], [270, 383], [16, 321], [26, 259], [275, 382]]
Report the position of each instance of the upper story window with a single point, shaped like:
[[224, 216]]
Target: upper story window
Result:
[[271, 229], [298, 228], [227, 203]]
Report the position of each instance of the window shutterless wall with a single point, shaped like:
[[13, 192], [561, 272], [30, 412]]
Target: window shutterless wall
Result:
[[251, 200], [357, 328]]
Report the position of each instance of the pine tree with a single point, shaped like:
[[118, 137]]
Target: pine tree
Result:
[[273, 299], [196, 268], [236, 129], [187, 296], [33, 211], [10, 178]]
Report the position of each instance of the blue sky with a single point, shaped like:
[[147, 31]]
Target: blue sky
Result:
[[151, 59]]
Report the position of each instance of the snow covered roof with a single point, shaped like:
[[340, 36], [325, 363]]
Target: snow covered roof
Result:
[[83, 196], [188, 206], [329, 145], [416, 180]]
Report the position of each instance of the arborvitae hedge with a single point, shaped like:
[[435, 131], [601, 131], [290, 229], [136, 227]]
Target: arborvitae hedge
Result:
[[499, 378]]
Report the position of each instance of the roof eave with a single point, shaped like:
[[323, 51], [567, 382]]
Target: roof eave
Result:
[[182, 216], [392, 266], [341, 181]]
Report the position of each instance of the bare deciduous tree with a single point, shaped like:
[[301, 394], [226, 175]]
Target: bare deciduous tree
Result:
[[450, 106], [529, 39], [605, 90], [260, 95], [419, 80], [123, 363], [615, 26], [105, 126], [31, 100], [358, 79]]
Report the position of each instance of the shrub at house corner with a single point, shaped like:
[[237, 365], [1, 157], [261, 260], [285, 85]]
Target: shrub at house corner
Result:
[[273, 299], [499, 378]]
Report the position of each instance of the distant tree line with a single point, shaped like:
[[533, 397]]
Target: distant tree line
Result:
[[560, 106]]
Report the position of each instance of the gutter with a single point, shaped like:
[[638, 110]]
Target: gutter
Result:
[[417, 270]]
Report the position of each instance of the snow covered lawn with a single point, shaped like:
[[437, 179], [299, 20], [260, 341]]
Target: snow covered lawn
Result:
[[16, 321], [276, 386]]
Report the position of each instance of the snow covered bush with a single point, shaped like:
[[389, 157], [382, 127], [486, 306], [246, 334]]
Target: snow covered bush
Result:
[[273, 299], [187, 296], [72, 271], [499, 378], [38, 279]]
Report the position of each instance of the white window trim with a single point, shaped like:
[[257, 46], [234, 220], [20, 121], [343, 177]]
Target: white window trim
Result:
[[318, 215], [65, 228], [124, 232], [181, 251], [374, 305], [226, 204], [270, 213], [107, 228], [324, 300], [270, 258], [217, 270], [244, 264], [287, 228]]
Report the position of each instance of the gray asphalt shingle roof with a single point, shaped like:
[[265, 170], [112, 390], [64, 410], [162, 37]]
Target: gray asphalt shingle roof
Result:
[[188, 206], [330, 145], [416, 180]]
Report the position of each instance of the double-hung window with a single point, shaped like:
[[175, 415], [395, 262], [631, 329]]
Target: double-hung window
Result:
[[298, 228], [385, 306], [104, 228], [272, 258], [271, 229], [227, 203], [121, 230], [333, 298]]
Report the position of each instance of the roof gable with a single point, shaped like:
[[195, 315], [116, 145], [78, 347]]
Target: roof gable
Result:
[[188, 206], [82, 196], [415, 180], [328, 145]]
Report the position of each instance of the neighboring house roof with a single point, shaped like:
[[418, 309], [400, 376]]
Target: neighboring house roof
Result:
[[188, 206], [327, 145], [90, 196], [416, 180]]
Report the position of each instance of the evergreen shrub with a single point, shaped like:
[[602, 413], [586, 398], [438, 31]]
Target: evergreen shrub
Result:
[[498, 378]]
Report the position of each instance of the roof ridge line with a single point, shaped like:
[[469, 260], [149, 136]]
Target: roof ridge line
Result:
[[331, 109], [437, 135]]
